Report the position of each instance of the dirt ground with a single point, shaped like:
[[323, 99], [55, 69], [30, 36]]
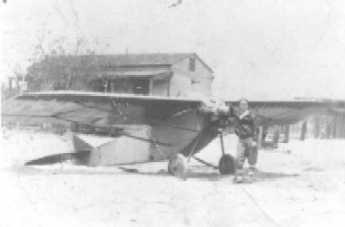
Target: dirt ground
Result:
[[298, 184]]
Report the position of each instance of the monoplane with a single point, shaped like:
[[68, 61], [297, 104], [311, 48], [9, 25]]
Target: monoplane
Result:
[[116, 129]]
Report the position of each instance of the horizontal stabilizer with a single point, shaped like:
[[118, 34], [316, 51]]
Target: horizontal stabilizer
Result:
[[77, 158]]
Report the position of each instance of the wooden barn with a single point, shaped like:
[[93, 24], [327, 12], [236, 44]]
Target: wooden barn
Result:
[[177, 74]]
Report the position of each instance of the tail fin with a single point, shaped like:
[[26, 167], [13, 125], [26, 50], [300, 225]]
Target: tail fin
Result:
[[80, 158]]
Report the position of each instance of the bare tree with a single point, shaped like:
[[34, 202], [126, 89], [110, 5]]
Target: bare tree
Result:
[[177, 3]]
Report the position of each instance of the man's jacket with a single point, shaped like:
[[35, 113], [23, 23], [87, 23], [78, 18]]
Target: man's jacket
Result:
[[245, 125]]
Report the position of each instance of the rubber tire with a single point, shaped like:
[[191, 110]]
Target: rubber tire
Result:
[[177, 166], [226, 165]]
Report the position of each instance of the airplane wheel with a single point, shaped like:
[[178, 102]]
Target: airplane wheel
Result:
[[177, 166], [226, 165]]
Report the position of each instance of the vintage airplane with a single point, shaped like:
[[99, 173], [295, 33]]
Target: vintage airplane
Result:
[[115, 129]]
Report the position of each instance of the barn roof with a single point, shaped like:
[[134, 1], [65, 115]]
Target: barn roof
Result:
[[128, 59]]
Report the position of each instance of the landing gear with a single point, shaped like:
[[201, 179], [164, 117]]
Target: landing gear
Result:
[[226, 165], [177, 166]]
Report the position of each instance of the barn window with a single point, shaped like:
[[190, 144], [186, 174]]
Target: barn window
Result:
[[192, 64]]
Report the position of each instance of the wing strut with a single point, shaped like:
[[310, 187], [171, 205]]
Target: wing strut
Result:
[[204, 162], [221, 139]]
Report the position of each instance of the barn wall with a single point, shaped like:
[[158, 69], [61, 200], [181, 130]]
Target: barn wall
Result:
[[160, 88], [180, 85], [57, 74], [186, 81]]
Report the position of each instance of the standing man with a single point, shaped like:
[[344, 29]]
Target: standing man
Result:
[[245, 129]]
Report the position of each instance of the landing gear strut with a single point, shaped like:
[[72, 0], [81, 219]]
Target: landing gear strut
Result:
[[178, 166], [226, 163]]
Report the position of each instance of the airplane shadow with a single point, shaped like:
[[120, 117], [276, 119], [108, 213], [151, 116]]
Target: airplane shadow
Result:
[[197, 173], [215, 176], [265, 175], [32, 170], [259, 176]]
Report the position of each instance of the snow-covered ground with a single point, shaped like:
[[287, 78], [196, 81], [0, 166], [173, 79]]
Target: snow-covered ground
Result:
[[299, 184]]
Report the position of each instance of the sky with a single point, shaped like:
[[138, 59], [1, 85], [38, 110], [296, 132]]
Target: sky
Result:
[[259, 49]]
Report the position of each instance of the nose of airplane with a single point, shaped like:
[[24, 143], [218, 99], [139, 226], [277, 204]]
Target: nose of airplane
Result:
[[214, 106]]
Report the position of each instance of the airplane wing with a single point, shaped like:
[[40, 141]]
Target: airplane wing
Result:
[[92, 108], [106, 110], [289, 112]]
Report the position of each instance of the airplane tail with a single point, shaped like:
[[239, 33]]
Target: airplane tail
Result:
[[79, 158]]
